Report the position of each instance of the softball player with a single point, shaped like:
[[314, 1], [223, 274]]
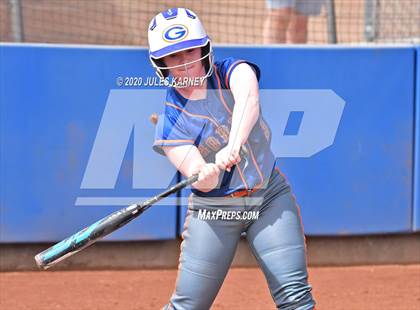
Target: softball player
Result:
[[202, 131]]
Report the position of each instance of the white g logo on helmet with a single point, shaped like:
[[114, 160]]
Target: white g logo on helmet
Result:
[[175, 33], [176, 30]]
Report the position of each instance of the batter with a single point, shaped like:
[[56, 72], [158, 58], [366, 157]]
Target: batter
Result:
[[203, 129]]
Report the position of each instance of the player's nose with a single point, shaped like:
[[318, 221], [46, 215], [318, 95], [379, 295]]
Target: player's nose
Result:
[[183, 57]]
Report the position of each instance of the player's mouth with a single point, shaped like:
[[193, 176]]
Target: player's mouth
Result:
[[185, 69]]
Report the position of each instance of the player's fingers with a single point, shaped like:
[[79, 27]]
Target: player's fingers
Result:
[[214, 170], [226, 163], [209, 171], [227, 160], [205, 170], [202, 174], [219, 163], [237, 157], [234, 152], [233, 159], [197, 170]]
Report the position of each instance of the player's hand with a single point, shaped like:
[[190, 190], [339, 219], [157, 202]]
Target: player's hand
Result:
[[228, 157], [208, 177]]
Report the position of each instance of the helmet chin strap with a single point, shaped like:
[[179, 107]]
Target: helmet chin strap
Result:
[[185, 66]]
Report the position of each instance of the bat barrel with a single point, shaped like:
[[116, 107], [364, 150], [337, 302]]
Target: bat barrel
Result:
[[86, 237]]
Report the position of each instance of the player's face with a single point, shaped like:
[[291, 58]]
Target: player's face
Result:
[[193, 67]]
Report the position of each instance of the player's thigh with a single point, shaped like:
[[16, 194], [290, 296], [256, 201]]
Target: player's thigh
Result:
[[279, 224], [206, 254], [278, 242], [210, 241]]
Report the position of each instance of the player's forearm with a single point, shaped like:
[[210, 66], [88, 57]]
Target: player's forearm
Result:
[[243, 121], [244, 86], [188, 160]]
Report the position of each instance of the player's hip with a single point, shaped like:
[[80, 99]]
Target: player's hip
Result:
[[272, 187]]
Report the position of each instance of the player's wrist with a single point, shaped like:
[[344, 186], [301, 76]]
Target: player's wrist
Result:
[[235, 145]]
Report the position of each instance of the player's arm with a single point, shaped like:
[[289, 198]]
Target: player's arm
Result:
[[188, 160], [244, 86]]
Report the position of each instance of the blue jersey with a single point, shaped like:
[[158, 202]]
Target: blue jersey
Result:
[[206, 124]]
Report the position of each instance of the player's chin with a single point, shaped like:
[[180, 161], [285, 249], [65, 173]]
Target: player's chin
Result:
[[185, 73], [181, 75], [189, 72]]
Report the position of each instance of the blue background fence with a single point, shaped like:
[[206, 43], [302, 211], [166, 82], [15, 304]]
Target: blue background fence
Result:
[[416, 156], [63, 116]]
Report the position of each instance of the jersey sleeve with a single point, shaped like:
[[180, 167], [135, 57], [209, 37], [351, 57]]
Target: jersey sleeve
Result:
[[170, 131], [226, 66]]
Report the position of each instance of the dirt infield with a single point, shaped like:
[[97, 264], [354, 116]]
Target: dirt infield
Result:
[[347, 288]]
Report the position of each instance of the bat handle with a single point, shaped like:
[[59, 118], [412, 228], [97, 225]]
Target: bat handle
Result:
[[192, 179]]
